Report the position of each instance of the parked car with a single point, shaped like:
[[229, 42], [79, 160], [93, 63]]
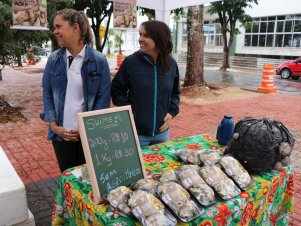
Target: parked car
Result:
[[290, 69]]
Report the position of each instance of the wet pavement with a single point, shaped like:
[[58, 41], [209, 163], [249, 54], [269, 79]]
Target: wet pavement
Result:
[[33, 157], [248, 79]]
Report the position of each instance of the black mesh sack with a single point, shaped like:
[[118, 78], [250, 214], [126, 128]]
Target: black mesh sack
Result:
[[260, 144]]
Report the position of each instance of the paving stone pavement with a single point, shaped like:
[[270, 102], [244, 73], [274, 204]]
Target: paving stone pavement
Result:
[[33, 158]]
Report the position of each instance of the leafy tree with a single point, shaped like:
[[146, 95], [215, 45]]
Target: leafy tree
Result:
[[229, 12], [15, 43], [5, 18], [97, 11], [195, 47]]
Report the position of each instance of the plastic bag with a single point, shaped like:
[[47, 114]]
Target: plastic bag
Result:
[[260, 144]]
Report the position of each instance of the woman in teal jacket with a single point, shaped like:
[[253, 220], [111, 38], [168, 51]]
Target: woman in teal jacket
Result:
[[148, 80], [76, 79]]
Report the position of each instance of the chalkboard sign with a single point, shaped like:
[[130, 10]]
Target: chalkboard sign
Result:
[[111, 148]]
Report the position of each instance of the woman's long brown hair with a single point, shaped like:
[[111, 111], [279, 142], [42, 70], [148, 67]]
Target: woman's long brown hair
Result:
[[159, 32]]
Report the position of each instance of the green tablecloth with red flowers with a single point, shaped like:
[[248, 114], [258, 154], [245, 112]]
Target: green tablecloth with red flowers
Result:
[[266, 203]]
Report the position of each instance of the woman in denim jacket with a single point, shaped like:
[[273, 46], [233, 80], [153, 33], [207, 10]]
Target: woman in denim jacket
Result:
[[76, 79]]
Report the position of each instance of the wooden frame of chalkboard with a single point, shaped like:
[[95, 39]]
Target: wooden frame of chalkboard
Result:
[[111, 148]]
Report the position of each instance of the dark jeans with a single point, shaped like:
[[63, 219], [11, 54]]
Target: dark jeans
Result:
[[68, 154]]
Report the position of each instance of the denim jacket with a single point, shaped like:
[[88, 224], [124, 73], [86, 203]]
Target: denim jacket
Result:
[[96, 85]]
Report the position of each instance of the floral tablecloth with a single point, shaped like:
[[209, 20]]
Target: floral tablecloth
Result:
[[266, 203]]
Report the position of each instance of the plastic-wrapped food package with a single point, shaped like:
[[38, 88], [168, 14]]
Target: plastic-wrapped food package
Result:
[[191, 180], [190, 167], [237, 172], [168, 175], [178, 199], [219, 181], [209, 158], [189, 157], [148, 209], [115, 197], [146, 184]]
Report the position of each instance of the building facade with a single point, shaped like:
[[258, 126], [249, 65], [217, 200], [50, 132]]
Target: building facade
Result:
[[275, 31]]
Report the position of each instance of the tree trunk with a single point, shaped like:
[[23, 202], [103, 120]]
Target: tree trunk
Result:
[[19, 60], [226, 53], [195, 49]]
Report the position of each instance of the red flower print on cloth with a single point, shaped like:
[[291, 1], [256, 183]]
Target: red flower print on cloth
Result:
[[156, 149], [148, 172], [273, 218], [290, 186], [91, 197], [68, 195], [275, 184], [224, 212], [255, 214], [283, 174], [67, 173], [246, 216], [270, 197], [265, 190], [206, 223], [245, 195], [193, 146], [222, 150], [207, 137], [80, 205], [153, 158]]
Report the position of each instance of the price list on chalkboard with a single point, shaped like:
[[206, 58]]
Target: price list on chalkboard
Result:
[[115, 155]]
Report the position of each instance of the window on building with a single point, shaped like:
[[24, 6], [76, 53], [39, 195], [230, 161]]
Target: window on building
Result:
[[280, 25], [297, 26], [254, 40], [255, 28], [262, 40], [212, 34], [275, 31], [271, 26], [279, 40], [248, 40], [269, 41], [288, 26], [287, 40]]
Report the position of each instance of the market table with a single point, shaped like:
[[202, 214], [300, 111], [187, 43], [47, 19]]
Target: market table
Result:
[[268, 202]]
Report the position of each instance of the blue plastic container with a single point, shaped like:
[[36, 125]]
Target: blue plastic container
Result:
[[225, 130]]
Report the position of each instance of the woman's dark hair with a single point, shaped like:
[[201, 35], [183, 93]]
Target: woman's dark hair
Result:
[[79, 17], [159, 32]]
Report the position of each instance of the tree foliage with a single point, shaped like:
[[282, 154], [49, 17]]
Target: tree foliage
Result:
[[15, 43], [229, 12]]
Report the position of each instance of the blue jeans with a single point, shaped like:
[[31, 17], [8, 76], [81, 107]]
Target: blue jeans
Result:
[[149, 140]]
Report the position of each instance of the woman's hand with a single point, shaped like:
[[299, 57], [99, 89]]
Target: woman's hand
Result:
[[66, 135], [167, 121]]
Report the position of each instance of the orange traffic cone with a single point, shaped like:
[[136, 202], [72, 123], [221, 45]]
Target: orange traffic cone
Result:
[[119, 60], [267, 82]]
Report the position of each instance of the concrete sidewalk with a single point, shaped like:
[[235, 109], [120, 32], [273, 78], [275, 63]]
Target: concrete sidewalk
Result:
[[33, 157]]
